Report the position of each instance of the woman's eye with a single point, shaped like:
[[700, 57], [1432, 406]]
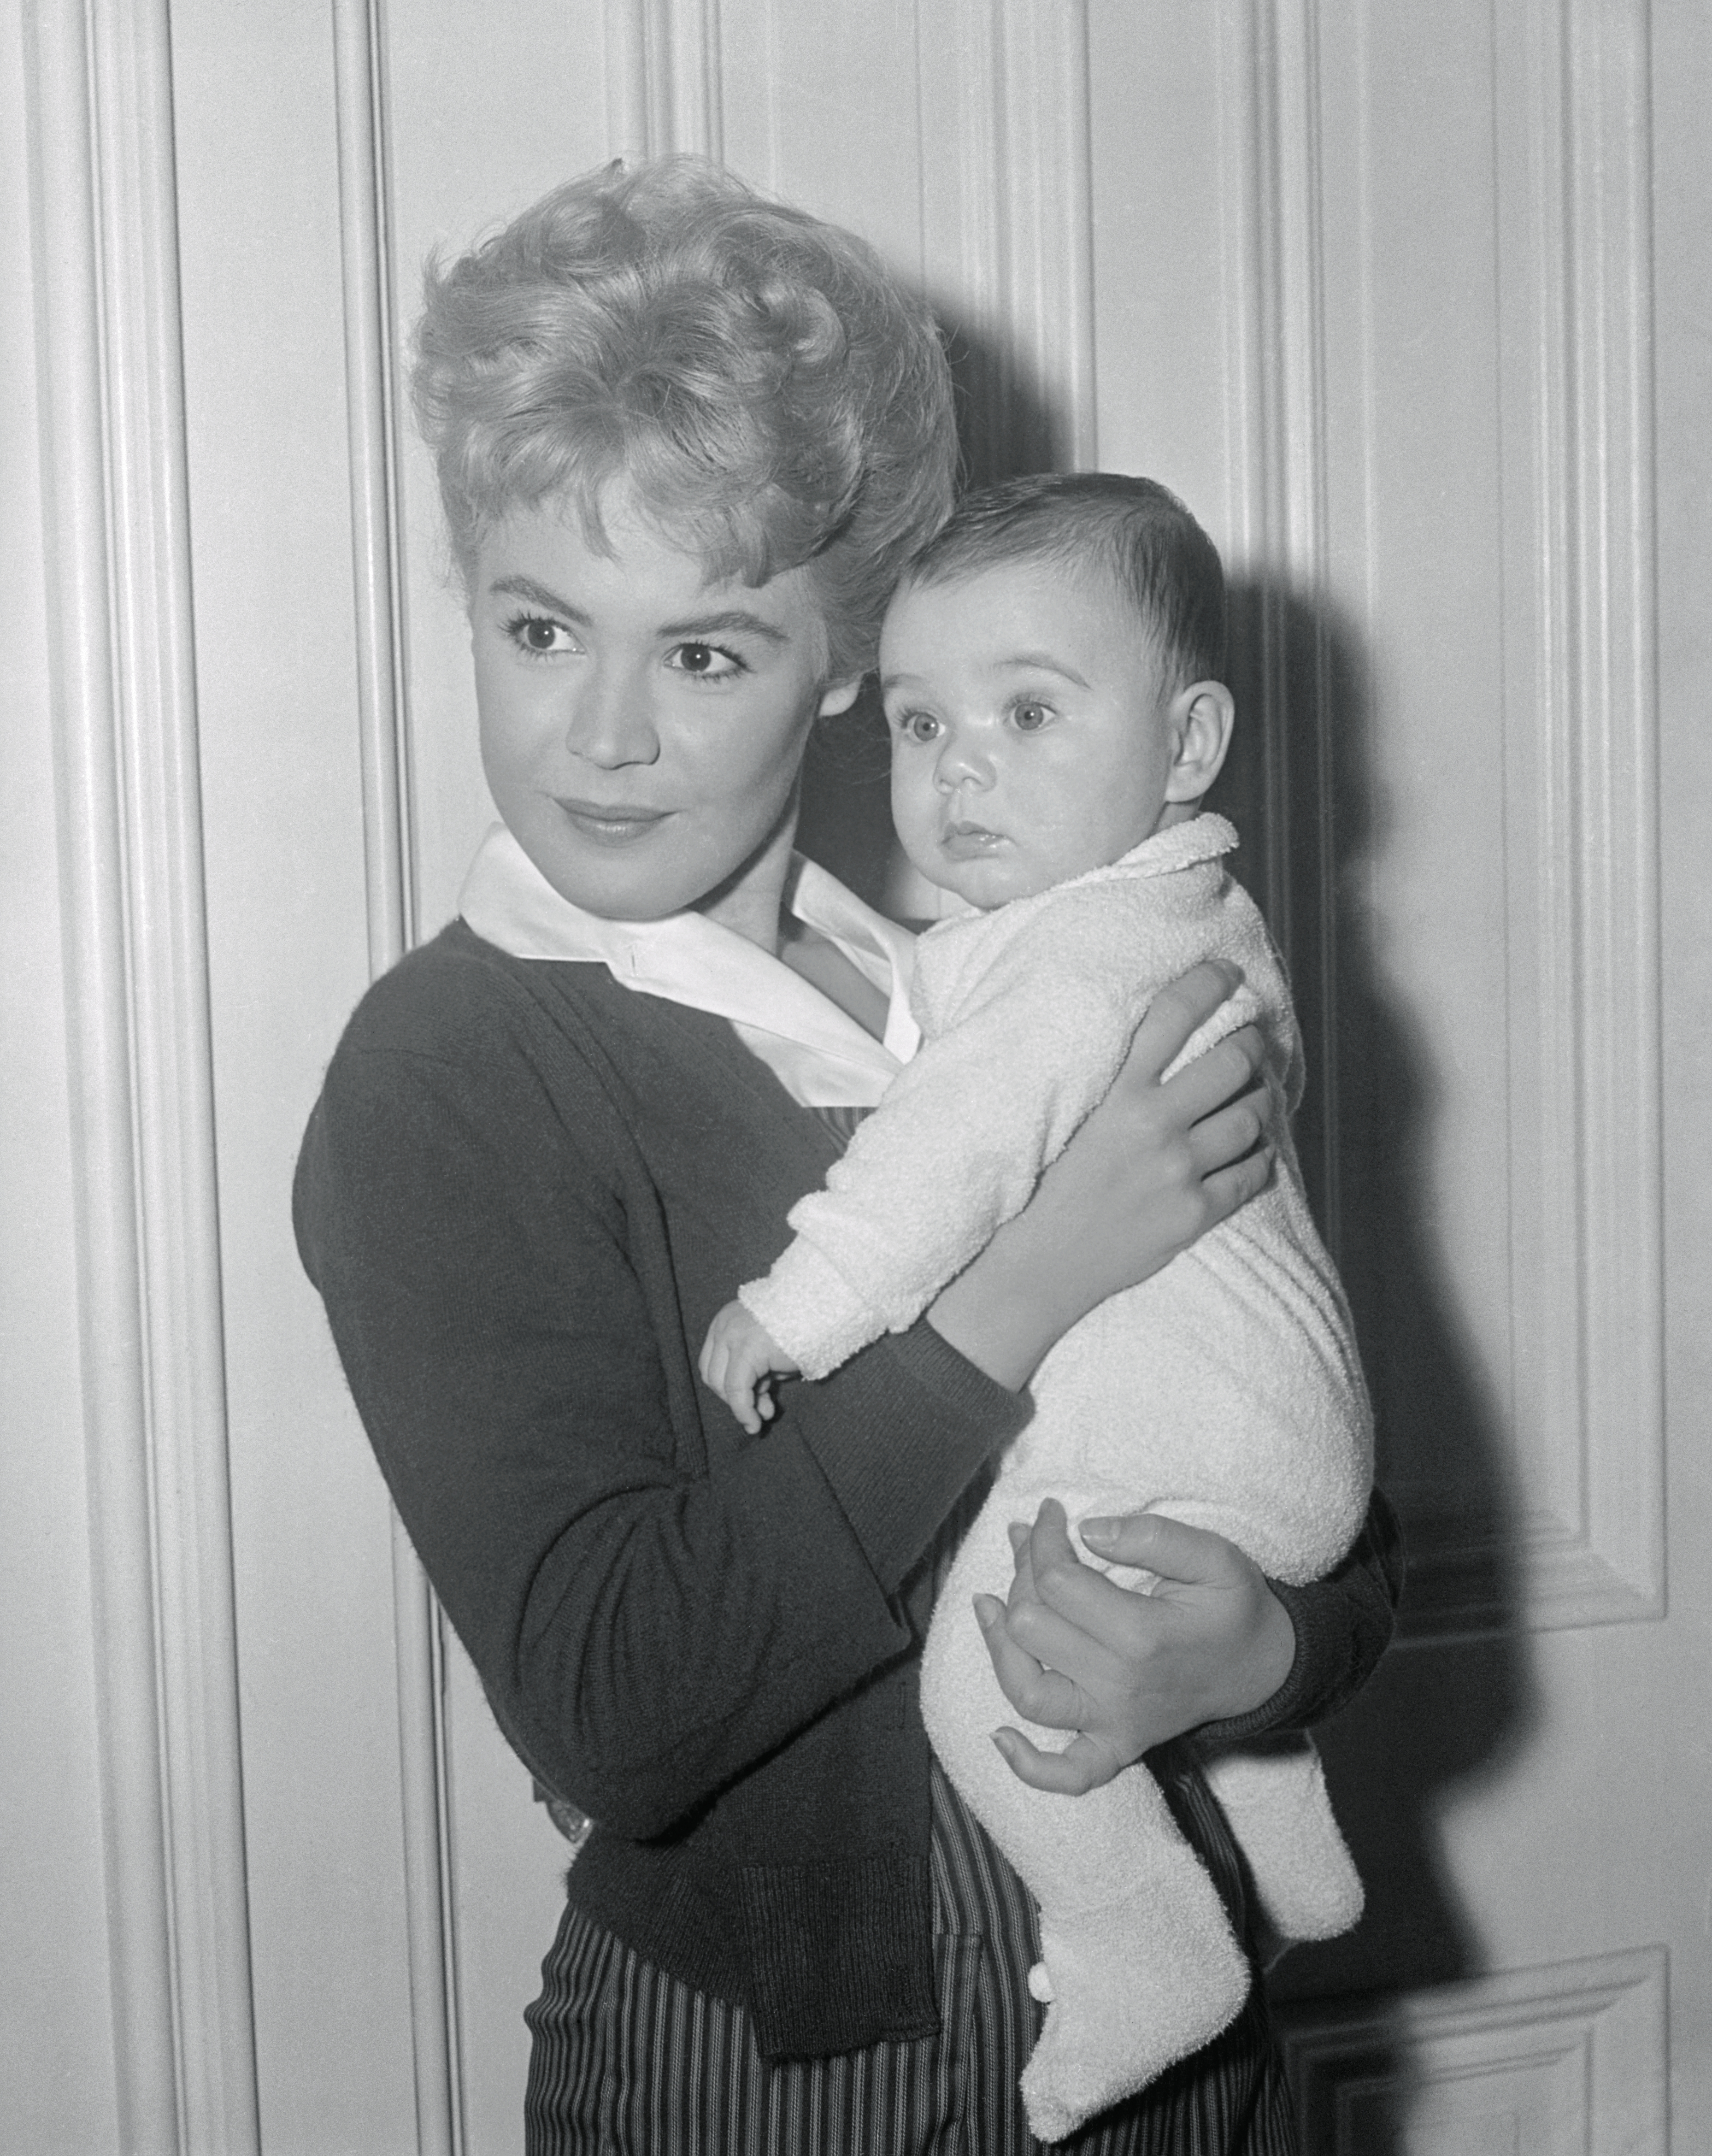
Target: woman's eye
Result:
[[538, 636], [705, 662], [1028, 718]]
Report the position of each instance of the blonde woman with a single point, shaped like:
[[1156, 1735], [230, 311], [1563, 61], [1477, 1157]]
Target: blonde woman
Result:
[[685, 438]]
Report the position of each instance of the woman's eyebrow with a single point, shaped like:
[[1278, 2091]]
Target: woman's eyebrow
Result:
[[526, 587], [729, 621], [733, 621]]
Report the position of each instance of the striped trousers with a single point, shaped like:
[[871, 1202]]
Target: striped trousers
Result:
[[628, 2061]]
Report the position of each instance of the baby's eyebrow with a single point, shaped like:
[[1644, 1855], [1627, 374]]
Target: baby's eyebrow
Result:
[[1043, 662]]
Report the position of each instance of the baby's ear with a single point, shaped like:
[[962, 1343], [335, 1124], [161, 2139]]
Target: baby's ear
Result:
[[1201, 717]]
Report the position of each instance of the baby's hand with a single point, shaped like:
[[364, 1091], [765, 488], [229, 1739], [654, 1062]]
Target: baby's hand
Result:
[[739, 1360]]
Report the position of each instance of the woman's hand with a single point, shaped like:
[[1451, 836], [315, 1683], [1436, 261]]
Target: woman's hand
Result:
[[1155, 1165], [1074, 1649]]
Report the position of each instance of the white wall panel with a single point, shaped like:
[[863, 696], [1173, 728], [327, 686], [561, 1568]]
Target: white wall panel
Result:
[[277, 681], [1567, 2061], [1486, 521]]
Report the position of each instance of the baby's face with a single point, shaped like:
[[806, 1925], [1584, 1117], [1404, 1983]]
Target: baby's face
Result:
[[1031, 739]]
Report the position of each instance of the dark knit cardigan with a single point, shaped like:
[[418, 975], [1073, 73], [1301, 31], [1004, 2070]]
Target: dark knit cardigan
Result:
[[523, 1194]]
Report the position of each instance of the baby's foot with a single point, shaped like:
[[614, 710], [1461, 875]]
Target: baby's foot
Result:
[[1133, 1989]]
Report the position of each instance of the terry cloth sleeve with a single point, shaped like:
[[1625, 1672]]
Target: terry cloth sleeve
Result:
[[1031, 1012], [650, 1616]]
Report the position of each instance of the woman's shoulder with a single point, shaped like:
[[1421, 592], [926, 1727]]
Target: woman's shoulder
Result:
[[455, 1054], [458, 998], [460, 1027], [460, 1035]]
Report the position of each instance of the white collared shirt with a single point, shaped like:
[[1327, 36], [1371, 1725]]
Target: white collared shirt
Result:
[[819, 1053]]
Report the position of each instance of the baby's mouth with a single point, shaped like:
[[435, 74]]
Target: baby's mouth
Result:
[[967, 842]]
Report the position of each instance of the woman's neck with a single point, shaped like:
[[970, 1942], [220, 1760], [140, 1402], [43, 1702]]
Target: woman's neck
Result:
[[751, 904]]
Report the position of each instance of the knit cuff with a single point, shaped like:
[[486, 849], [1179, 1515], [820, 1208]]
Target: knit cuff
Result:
[[1342, 1625]]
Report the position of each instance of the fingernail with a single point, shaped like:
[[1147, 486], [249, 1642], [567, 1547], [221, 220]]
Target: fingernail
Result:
[[1018, 1533], [988, 1610]]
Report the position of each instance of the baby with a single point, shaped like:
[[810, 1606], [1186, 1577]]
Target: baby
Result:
[[1049, 667]]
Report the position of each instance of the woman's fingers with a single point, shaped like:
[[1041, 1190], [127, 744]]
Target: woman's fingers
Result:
[[1179, 1009], [1039, 1694], [1070, 1616], [1227, 1190], [1075, 1650], [1155, 1542], [1082, 1765], [1232, 1132], [1228, 1067]]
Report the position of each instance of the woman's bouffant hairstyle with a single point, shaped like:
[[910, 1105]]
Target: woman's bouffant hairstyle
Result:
[[1133, 531], [756, 377]]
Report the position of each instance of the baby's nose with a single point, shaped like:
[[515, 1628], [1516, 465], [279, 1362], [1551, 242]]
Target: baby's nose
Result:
[[963, 762]]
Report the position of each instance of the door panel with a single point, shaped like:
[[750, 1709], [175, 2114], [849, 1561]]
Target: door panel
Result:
[[1408, 303]]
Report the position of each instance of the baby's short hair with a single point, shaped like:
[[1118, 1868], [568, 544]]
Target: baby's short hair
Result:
[[1133, 532], [757, 377]]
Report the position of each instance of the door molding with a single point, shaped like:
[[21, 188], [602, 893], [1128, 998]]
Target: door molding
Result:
[[1574, 428], [372, 399], [149, 1316], [1571, 2056]]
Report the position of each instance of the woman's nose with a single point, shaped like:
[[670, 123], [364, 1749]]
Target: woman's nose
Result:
[[611, 721]]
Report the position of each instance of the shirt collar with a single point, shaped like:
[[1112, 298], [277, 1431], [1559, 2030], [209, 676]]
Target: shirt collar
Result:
[[822, 1056]]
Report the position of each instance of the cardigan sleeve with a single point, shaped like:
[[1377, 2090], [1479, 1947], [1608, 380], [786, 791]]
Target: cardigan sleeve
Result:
[[649, 1617], [1342, 1625]]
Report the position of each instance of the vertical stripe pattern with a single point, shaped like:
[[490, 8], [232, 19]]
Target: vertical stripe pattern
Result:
[[628, 2061]]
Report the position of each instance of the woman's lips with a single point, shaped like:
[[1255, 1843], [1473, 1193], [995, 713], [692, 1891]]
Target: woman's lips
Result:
[[610, 822]]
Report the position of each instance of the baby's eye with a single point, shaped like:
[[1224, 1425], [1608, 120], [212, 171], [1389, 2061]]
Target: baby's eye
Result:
[[538, 635], [705, 662], [1028, 717], [918, 726]]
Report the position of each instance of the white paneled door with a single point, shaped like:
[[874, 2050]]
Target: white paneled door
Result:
[[1411, 303]]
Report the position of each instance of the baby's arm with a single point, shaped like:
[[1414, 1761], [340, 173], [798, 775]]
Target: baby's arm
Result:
[[955, 1149], [739, 1359]]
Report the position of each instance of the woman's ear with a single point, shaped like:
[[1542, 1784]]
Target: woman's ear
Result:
[[1201, 717], [838, 696]]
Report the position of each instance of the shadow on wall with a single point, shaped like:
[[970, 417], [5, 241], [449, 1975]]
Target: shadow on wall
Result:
[[1450, 1709]]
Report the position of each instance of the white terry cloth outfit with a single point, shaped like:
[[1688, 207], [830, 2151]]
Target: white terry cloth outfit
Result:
[[1224, 1391]]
